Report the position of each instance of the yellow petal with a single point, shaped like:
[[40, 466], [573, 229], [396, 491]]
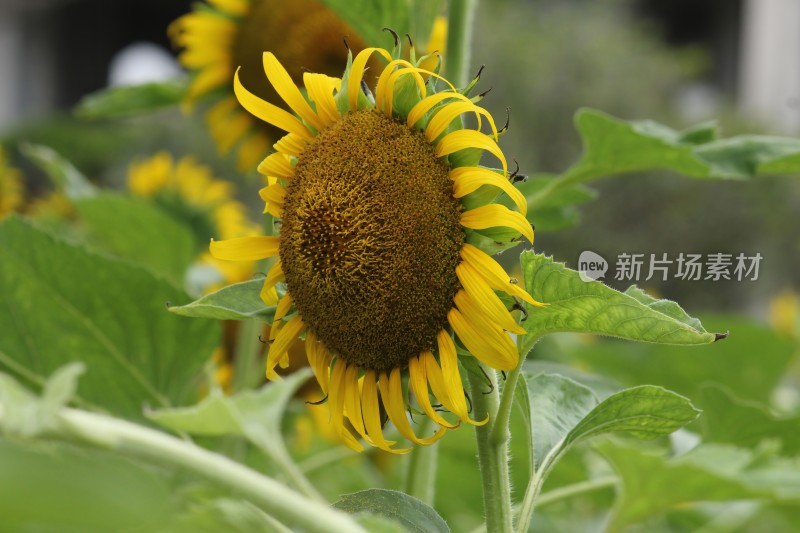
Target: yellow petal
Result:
[[479, 299], [450, 377], [357, 73], [231, 7], [352, 400], [493, 273], [319, 360], [273, 196], [462, 139], [494, 215], [419, 385], [371, 413], [383, 80], [492, 346], [469, 179], [336, 399], [283, 307], [392, 394], [276, 165], [291, 145], [387, 100], [448, 113], [426, 104], [280, 346], [320, 91], [267, 112], [287, 90], [245, 248], [274, 275]]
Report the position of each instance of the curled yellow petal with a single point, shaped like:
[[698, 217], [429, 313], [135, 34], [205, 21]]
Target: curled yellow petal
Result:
[[280, 346], [469, 179], [336, 402], [493, 273], [370, 409], [245, 248], [462, 139], [392, 394], [273, 196], [291, 144], [450, 377], [493, 216], [352, 400], [447, 114], [320, 91], [491, 346], [274, 275], [426, 104], [419, 385], [276, 165], [479, 299], [357, 74], [319, 360]]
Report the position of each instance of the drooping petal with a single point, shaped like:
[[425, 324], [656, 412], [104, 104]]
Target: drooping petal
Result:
[[392, 394], [450, 377], [352, 400], [245, 248], [426, 104], [493, 216], [469, 179], [287, 90], [336, 399], [447, 114], [480, 299], [370, 409], [274, 275], [419, 385], [319, 360], [493, 273], [280, 346], [491, 346], [267, 112]]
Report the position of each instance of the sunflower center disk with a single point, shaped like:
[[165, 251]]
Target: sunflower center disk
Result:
[[370, 241]]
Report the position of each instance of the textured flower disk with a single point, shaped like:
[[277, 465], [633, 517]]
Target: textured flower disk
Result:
[[378, 267]]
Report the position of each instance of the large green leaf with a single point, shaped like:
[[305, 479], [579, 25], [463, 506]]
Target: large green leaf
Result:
[[139, 232], [413, 514], [731, 363], [652, 483], [120, 102], [577, 304], [727, 419], [62, 303], [239, 301]]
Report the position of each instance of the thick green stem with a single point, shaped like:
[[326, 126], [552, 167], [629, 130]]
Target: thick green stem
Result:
[[459, 38], [275, 499], [421, 473], [492, 454]]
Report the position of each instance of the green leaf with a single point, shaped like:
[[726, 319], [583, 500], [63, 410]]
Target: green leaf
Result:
[[378, 524], [63, 303], [58, 487], [64, 175], [730, 363], [731, 420], [239, 301], [120, 102], [368, 17], [577, 304], [565, 413], [414, 515], [224, 514], [255, 415], [613, 146], [139, 232], [652, 483]]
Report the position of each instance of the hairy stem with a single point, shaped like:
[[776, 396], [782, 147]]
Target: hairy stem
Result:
[[492, 454]]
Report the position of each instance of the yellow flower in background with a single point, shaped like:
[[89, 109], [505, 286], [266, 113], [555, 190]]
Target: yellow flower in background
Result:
[[221, 35], [12, 191], [191, 193], [375, 197], [785, 313]]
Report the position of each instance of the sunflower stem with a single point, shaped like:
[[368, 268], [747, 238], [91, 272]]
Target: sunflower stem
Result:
[[459, 38], [492, 453], [133, 440], [422, 464]]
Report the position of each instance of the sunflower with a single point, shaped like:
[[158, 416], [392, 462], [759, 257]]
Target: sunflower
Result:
[[382, 205], [219, 35], [190, 192], [12, 195]]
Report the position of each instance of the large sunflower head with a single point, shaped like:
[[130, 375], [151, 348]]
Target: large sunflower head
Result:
[[219, 35], [383, 208]]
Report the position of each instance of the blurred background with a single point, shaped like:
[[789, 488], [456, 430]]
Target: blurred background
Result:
[[679, 62]]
